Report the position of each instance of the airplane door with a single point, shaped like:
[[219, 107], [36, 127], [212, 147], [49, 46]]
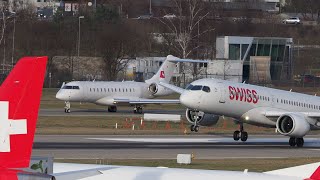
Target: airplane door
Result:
[[272, 100], [222, 92]]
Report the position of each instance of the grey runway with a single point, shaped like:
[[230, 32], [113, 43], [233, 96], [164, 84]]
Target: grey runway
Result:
[[167, 147], [102, 112]]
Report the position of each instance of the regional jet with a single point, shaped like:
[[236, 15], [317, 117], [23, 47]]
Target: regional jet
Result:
[[112, 94], [291, 114]]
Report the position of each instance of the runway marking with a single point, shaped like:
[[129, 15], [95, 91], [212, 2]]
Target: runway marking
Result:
[[158, 140]]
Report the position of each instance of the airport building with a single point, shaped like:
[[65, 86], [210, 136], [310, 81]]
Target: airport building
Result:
[[264, 59], [257, 60]]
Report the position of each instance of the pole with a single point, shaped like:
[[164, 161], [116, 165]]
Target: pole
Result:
[[79, 36], [13, 38], [150, 8]]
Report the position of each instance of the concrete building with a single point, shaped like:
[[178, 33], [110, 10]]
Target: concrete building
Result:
[[276, 50]]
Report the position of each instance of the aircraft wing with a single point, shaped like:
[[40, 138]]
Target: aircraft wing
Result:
[[172, 87], [146, 101]]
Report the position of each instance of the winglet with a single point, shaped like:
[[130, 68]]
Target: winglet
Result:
[[315, 175]]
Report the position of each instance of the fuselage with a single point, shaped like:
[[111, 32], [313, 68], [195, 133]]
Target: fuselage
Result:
[[102, 92], [245, 102]]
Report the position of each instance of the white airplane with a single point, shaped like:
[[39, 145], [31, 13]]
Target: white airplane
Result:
[[63, 171], [109, 93], [20, 97], [291, 114]]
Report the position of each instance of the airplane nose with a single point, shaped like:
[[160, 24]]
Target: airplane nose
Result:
[[186, 100], [59, 95]]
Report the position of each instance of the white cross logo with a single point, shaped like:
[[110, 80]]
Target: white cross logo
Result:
[[9, 127]]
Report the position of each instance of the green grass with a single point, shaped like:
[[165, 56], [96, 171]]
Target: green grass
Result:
[[106, 125], [253, 165]]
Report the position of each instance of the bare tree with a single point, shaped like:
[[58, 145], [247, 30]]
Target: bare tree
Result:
[[186, 27], [116, 45]]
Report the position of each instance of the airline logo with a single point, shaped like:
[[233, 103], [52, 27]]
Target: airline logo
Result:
[[242, 94], [162, 74], [9, 127]]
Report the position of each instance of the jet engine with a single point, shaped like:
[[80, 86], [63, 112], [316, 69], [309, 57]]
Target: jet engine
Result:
[[201, 118], [294, 125], [158, 90]]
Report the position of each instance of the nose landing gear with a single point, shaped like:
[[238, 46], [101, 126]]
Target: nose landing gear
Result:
[[67, 107], [240, 134]]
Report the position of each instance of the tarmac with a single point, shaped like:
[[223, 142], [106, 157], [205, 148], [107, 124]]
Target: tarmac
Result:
[[167, 147]]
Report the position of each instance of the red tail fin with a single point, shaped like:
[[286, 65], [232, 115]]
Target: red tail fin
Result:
[[19, 103], [315, 175]]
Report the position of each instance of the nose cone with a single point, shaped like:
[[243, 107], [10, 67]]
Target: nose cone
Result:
[[187, 100], [60, 95]]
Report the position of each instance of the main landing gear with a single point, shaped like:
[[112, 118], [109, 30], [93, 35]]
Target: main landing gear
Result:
[[67, 107], [112, 109], [293, 141], [241, 134], [137, 109], [194, 127]]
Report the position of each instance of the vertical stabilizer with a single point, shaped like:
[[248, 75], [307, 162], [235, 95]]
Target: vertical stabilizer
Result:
[[19, 104], [165, 71]]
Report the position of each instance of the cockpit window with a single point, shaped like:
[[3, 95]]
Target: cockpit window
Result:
[[206, 89], [67, 87], [189, 86], [196, 88], [70, 87]]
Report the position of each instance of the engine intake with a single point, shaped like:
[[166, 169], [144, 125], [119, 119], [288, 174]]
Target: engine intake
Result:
[[158, 90], [153, 88], [294, 125], [201, 118]]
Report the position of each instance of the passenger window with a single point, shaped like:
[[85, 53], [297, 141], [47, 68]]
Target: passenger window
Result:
[[115, 89], [206, 89], [90, 89]]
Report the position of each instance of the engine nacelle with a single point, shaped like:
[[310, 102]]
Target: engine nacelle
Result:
[[294, 125], [158, 90], [201, 118]]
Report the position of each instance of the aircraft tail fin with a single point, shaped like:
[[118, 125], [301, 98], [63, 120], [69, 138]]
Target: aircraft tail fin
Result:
[[20, 95], [165, 71], [315, 175]]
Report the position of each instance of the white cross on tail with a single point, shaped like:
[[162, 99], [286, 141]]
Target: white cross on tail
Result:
[[9, 127]]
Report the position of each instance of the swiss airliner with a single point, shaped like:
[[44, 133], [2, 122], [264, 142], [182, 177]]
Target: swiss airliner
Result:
[[291, 114], [112, 94], [19, 104]]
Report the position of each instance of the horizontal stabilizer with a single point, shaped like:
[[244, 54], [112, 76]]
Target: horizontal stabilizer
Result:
[[188, 61]]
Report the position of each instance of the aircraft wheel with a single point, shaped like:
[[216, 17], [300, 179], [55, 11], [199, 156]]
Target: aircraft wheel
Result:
[[244, 136], [68, 111], [196, 128], [192, 127], [299, 142], [292, 141], [139, 110], [236, 135]]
